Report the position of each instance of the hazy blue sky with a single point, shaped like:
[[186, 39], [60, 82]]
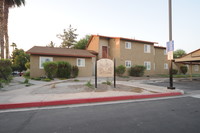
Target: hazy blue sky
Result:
[[40, 21]]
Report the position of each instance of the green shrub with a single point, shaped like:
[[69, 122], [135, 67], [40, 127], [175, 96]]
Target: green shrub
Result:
[[27, 65], [76, 80], [38, 78], [5, 69], [137, 70], [107, 83], [46, 79], [74, 72], [174, 71], [50, 69], [183, 69], [26, 81], [64, 69], [1, 85], [27, 74], [120, 70], [88, 84]]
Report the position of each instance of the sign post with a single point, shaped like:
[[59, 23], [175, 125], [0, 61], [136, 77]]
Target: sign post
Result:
[[170, 47]]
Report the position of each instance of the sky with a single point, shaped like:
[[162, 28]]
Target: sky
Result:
[[39, 21]]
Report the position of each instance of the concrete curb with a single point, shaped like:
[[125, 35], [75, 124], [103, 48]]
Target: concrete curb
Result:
[[85, 100]]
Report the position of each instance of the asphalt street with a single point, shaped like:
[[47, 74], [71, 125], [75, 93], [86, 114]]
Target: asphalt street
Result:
[[186, 85], [175, 115]]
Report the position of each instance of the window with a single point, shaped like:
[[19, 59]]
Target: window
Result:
[[165, 66], [147, 48], [127, 63], [196, 68], [43, 60], [147, 64], [128, 45], [80, 62]]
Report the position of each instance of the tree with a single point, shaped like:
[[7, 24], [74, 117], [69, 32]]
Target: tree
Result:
[[184, 69], [14, 45], [179, 53], [81, 44], [19, 59], [4, 11], [68, 37], [5, 69], [1, 28], [8, 4], [51, 44]]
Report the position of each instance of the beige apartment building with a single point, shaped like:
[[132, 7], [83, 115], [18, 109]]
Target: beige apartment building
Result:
[[130, 52], [76, 57]]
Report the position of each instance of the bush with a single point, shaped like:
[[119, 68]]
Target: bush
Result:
[[50, 69], [27, 74], [107, 83], [74, 72], [27, 65], [5, 69], [26, 81], [46, 79], [174, 71], [64, 69], [184, 69], [120, 70], [88, 84], [137, 70]]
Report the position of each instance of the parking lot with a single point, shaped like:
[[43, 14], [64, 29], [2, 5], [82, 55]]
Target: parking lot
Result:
[[183, 84]]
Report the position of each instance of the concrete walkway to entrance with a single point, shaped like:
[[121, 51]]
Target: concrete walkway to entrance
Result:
[[60, 92]]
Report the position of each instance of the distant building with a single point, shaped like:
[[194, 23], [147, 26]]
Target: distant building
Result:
[[191, 60]]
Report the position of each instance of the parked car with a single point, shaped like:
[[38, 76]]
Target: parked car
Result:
[[17, 73]]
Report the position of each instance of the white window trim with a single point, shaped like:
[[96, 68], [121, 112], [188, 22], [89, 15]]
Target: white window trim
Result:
[[129, 62], [82, 64], [147, 64], [166, 66], [196, 68], [40, 61], [129, 45], [147, 48]]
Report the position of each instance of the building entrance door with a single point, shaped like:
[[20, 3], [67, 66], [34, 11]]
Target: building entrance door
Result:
[[104, 51]]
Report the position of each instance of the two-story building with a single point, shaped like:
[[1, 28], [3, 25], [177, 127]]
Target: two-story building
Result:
[[130, 52]]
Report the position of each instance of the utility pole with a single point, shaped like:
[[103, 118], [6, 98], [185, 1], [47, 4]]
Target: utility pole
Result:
[[170, 40]]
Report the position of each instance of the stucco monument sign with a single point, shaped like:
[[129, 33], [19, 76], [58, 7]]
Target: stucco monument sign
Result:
[[105, 68]]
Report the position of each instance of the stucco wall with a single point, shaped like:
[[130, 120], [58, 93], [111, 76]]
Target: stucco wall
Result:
[[136, 55], [102, 42], [35, 71], [94, 44], [160, 60]]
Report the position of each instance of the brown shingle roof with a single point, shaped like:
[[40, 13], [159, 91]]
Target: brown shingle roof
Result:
[[161, 47], [122, 38], [39, 50]]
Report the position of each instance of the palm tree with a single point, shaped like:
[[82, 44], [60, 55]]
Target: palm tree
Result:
[[8, 4], [1, 29], [14, 45]]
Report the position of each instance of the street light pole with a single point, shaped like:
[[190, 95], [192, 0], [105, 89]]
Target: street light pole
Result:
[[170, 39]]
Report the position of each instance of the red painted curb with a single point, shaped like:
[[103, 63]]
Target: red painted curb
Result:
[[85, 100]]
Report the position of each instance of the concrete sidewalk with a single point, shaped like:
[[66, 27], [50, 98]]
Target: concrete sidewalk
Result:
[[27, 96]]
